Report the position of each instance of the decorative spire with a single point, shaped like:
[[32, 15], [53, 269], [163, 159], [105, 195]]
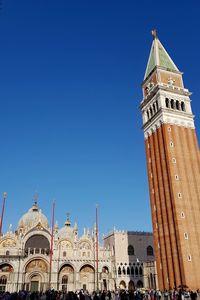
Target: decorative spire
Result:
[[159, 57], [68, 222], [35, 199], [56, 226], [154, 33], [10, 228], [84, 231], [75, 226]]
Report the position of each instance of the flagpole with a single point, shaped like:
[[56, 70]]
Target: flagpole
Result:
[[97, 249], [51, 246], [2, 211]]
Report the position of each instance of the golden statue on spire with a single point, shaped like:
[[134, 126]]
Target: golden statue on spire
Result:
[[154, 33]]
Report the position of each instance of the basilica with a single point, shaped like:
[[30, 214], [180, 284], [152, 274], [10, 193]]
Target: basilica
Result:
[[125, 258]]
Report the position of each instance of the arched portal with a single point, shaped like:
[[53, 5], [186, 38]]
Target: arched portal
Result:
[[6, 271], [87, 277], [131, 285], [66, 278], [36, 275], [105, 278], [35, 282], [139, 284], [122, 285]]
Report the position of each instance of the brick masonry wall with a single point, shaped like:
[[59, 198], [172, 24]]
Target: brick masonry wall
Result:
[[174, 183]]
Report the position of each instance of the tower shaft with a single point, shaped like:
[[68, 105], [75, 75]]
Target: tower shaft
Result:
[[173, 164]]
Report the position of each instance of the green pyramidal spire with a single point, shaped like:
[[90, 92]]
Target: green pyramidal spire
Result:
[[159, 57]]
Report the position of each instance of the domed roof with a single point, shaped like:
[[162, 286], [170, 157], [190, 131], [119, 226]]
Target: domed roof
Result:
[[66, 232], [32, 218]]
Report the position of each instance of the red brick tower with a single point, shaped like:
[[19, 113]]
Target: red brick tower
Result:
[[173, 163]]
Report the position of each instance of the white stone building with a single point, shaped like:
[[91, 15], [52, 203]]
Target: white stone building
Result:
[[25, 257], [132, 259]]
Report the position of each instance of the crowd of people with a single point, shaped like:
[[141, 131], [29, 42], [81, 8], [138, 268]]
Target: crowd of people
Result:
[[104, 295]]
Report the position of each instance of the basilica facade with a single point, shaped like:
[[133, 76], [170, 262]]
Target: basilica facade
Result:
[[125, 260]]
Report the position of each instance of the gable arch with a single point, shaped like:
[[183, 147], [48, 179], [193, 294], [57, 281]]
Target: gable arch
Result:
[[66, 265], [87, 268], [36, 259], [8, 242], [37, 241], [6, 267]]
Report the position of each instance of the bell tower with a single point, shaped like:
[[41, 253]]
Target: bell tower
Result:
[[173, 163]]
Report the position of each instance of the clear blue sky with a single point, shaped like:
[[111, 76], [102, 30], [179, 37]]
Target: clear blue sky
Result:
[[70, 88]]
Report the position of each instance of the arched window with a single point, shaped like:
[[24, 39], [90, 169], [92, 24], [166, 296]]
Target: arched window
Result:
[[136, 271], [7, 253], [132, 271], [150, 251], [64, 254], [147, 114], [139, 284], [64, 279], [172, 104], [151, 112], [177, 105], [3, 280], [182, 106], [157, 105], [119, 271], [37, 241], [140, 271], [128, 271], [167, 102], [154, 108], [124, 271], [131, 250], [105, 270]]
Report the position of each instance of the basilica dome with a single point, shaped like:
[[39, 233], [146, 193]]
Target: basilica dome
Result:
[[32, 218], [67, 232]]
